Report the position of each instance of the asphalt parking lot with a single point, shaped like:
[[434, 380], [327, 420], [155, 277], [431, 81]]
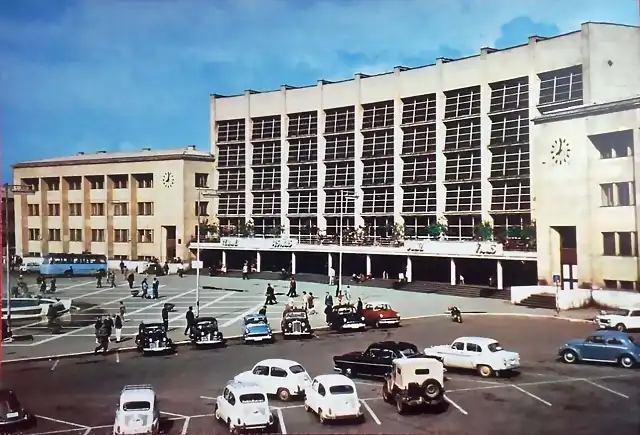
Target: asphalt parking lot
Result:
[[79, 395]]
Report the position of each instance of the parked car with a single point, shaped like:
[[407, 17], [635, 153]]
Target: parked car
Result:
[[279, 377], [30, 267], [152, 339], [603, 346], [485, 355], [333, 397], [295, 323], [376, 361], [137, 412], [12, 415], [346, 317], [205, 332], [414, 382], [255, 327], [379, 314], [243, 407], [621, 320]]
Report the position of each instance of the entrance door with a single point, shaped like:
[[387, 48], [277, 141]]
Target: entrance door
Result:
[[568, 258], [170, 242]]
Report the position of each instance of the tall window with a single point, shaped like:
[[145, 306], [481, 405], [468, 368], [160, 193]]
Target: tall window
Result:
[[145, 236]]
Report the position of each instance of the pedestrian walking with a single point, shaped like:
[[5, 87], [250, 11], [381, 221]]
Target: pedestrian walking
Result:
[[123, 310], [191, 320], [311, 304], [97, 326], [165, 318], [245, 270], [102, 337], [181, 270], [305, 300], [117, 322], [99, 280], [112, 279], [130, 280], [107, 324], [359, 306], [292, 288], [145, 288], [328, 300], [347, 294], [154, 288], [271, 296], [123, 268]]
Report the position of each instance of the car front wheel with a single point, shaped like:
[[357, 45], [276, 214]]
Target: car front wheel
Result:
[[485, 371], [626, 361], [569, 356], [620, 327], [284, 394]]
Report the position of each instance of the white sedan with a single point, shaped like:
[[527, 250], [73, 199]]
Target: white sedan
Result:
[[476, 353], [333, 397], [280, 377]]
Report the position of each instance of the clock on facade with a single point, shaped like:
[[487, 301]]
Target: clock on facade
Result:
[[560, 151], [168, 179]]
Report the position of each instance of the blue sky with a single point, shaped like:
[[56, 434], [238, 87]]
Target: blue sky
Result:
[[126, 74]]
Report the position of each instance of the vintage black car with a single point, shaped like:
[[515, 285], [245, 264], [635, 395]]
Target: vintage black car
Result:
[[295, 323], [13, 416], [377, 360], [205, 332], [346, 317], [152, 339]]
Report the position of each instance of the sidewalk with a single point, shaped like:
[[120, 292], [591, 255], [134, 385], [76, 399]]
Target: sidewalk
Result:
[[408, 304]]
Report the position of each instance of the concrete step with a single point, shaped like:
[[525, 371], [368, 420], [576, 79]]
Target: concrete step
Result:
[[539, 301]]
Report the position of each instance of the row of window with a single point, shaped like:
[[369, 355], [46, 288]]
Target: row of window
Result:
[[618, 194], [94, 182], [97, 235], [95, 209], [623, 244]]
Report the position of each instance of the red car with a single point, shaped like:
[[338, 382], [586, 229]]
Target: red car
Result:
[[379, 314]]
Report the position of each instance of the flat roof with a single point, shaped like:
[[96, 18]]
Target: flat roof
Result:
[[104, 157]]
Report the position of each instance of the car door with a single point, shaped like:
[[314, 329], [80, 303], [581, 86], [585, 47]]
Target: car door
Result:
[[320, 398], [471, 354], [593, 348], [634, 320], [312, 395], [370, 362], [260, 375], [223, 405], [386, 361], [453, 356], [612, 349], [277, 379]]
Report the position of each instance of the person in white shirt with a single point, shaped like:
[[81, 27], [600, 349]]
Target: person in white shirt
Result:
[[347, 294], [332, 276], [245, 271], [223, 269]]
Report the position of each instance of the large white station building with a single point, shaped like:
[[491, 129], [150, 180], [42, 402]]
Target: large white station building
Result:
[[540, 135]]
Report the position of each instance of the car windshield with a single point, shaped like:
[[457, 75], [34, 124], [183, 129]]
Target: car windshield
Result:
[[495, 347], [341, 389], [618, 312], [207, 323], [409, 351], [153, 329], [345, 309], [9, 404], [255, 320], [252, 398], [382, 307], [297, 369], [138, 405], [296, 315]]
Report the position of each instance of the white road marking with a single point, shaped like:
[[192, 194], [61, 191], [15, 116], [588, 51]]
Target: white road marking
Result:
[[373, 414], [185, 426], [531, 395], [455, 405], [162, 301], [283, 427], [251, 310], [86, 432], [55, 364], [171, 414], [221, 298], [118, 356], [202, 416], [208, 398], [55, 420], [67, 431], [605, 388]]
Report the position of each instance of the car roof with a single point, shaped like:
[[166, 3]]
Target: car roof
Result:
[[394, 344], [612, 334], [374, 303], [476, 340], [255, 316], [244, 386], [153, 325], [334, 379], [277, 362], [132, 393], [205, 319], [416, 362]]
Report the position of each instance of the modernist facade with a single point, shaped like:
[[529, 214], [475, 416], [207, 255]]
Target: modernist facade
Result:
[[545, 133], [136, 206], [9, 223]]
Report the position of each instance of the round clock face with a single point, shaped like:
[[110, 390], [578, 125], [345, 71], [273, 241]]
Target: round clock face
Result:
[[168, 179], [560, 151]]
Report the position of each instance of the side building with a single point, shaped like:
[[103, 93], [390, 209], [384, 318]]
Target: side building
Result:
[[134, 205], [532, 150]]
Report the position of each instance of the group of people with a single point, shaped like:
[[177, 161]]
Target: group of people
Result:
[[106, 325]]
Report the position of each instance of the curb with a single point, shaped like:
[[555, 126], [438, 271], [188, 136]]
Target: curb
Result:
[[320, 328]]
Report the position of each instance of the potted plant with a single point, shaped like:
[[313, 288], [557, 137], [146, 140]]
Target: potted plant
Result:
[[249, 227], [276, 230], [439, 228], [398, 232], [484, 231]]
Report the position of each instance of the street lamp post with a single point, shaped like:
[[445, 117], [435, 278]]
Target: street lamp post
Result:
[[343, 198], [203, 192], [16, 189]]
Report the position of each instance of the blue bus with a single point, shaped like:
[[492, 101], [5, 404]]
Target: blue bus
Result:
[[73, 264]]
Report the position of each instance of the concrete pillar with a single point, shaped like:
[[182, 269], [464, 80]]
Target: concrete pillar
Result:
[[454, 277], [224, 258], [368, 273], [258, 262], [329, 263], [409, 272], [293, 263], [499, 281]]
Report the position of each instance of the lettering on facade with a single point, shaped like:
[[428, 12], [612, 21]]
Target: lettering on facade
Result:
[[416, 247], [230, 243], [282, 243], [487, 248]]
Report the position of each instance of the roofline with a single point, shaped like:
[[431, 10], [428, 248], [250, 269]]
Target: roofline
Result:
[[111, 160]]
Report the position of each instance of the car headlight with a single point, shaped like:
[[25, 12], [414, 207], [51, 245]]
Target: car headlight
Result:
[[289, 324], [362, 318], [246, 331], [381, 316], [505, 361]]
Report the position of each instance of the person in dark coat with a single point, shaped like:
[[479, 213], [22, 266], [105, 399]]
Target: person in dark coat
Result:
[[107, 324], [97, 327], [52, 285], [165, 318], [99, 280], [327, 313], [292, 288], [154, 288], [103, 340], [118, 325], [145, 288], [43, 286], [359, 306], [191, 320], [271, 296], [130, 280]]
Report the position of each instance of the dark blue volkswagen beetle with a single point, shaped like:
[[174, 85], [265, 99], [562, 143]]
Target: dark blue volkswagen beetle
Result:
[[602, 346]]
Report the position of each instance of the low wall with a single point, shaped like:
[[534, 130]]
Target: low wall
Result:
[[578, 298], [115, 264]]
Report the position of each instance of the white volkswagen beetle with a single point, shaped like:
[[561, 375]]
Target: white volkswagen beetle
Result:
[[280, 377], [333, 397], [476, 353], [243, 406], [137, 412]]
